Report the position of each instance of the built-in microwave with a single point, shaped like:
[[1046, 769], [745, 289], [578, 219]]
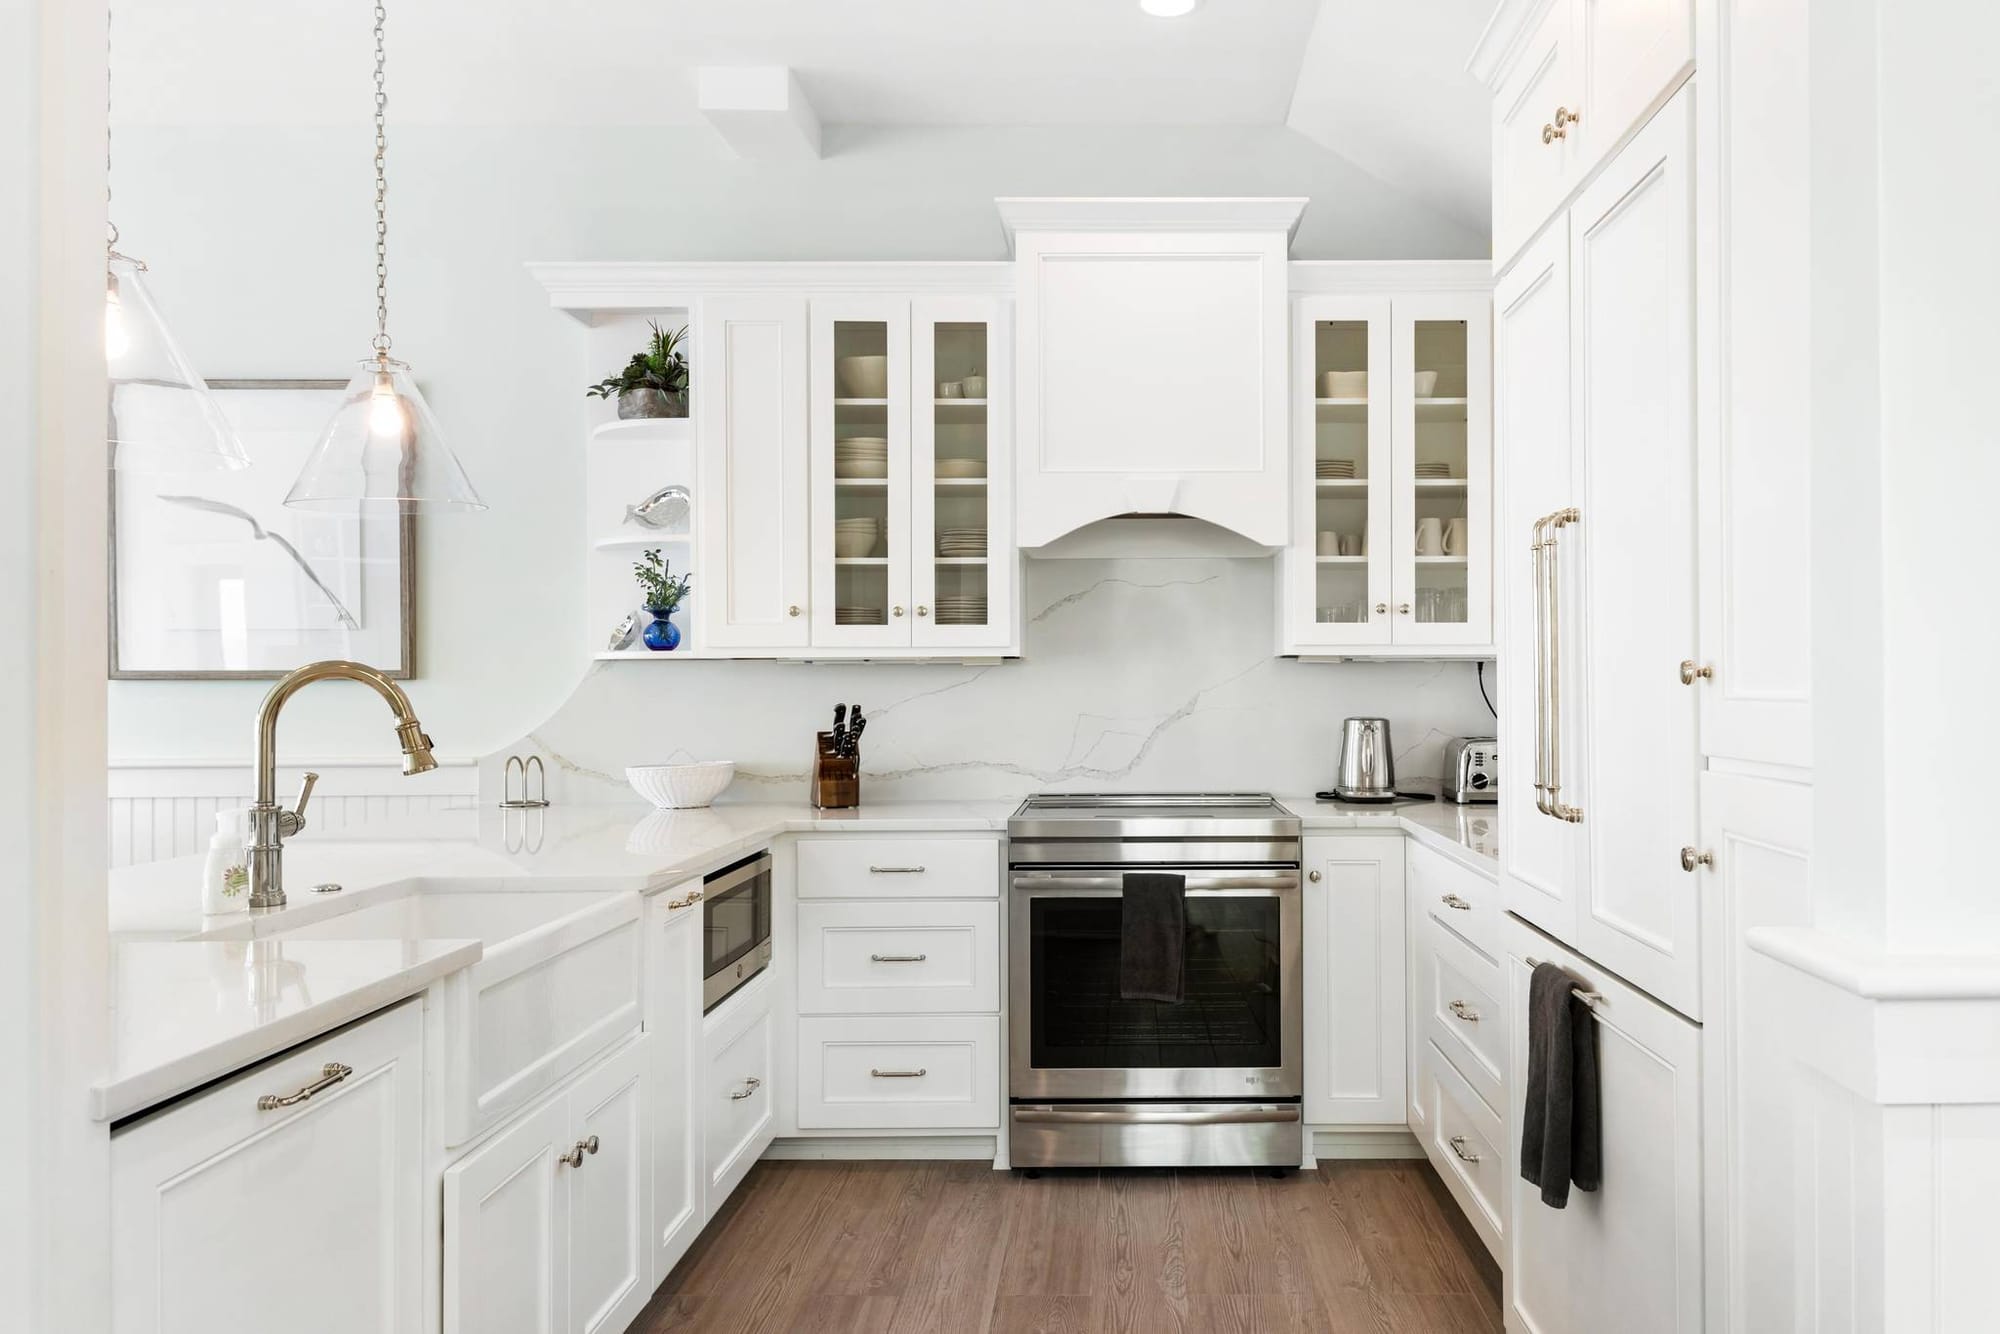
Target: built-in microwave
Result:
[[735, 927]]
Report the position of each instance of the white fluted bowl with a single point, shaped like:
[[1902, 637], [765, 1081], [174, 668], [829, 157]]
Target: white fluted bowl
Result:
[[678, 787]]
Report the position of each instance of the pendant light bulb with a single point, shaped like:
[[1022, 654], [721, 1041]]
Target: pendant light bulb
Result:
[[117, 338], [386, 417]]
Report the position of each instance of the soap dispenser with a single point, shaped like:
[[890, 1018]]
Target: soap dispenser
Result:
[[225, 878]]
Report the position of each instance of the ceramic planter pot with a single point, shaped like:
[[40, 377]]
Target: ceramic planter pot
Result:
[[651, 403]]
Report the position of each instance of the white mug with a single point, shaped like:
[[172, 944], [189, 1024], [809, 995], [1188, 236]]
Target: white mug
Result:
[[1430, 536], [1454, 537], [1350, 545], [1329, 544]]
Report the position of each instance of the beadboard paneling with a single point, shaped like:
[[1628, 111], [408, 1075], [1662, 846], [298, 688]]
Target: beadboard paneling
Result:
[[159, 809]]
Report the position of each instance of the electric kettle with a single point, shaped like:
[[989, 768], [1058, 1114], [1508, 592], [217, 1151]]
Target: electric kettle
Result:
[[1367, 768]]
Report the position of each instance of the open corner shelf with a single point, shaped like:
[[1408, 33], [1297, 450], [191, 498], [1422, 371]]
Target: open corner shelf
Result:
[[644, 430]]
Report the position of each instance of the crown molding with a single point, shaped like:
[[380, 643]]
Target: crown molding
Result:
[[1305, 276], [587, 289], [1162, 214]]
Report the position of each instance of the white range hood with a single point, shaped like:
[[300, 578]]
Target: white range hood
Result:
[[1151, 363]]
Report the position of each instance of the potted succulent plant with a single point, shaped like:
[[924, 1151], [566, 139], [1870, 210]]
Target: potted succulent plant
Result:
[[662, 592], [655, 382]]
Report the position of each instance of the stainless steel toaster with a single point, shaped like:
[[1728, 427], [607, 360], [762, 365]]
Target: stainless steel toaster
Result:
[[1471, 769]]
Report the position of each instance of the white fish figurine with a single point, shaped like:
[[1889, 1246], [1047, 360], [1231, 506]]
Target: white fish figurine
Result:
[[666, 508]]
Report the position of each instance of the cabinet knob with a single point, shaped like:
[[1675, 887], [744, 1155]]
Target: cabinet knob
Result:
[[590, 1145], [1691, 859], [897, 610], [923, 611], [1402, 609], [791, 611], [1313, 876], [1550, 134], [1564, 116], [1381, 609], [1691, 673], [574, 1158]]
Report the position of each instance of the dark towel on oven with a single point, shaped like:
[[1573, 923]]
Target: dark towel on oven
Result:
[[1559, 1125], [1151, 961]]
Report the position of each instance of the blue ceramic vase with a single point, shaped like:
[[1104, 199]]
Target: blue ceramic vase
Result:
[[661, 635]]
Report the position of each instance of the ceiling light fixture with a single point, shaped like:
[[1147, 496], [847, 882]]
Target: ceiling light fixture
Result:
[[383, 452], [1169, 9], [162, 417]]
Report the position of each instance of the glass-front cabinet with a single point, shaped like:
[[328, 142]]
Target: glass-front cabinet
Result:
[[1391, 545], [911, 535]]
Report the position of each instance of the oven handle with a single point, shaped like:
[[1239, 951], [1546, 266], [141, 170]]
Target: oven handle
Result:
[[1216, 1116], [1083, 882]]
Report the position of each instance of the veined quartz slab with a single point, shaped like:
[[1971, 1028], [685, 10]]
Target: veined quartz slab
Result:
[[1469, 835]]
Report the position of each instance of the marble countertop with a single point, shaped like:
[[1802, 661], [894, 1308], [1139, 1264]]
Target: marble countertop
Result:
[[190, 1009]]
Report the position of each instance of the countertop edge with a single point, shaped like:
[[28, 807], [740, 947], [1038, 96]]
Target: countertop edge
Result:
[[116, 1099]]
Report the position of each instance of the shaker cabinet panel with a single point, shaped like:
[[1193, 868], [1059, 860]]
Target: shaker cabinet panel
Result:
[[231, 1215], [751, 379], [504, 1230], [861, 472], [1354, 923], [673, 1036], [1534, 167], [1631, 52], [609, 1261]]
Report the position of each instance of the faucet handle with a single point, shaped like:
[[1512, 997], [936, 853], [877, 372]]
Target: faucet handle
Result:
[[292, 821]]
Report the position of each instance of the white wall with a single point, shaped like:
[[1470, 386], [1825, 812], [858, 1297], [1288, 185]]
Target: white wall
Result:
[[259, 245]]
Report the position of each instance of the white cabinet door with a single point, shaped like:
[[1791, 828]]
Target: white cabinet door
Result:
[[962, 473], [1442, 470], [673, 1038], [861, 473], [1627, 1256], [1630, 52], [308, 1217], [1629, 561], [737, 1097], [505, 1230], [1343, 479], [1533, 166], [752, 507], [1540, 859], [610, 1263], [1354, 924]]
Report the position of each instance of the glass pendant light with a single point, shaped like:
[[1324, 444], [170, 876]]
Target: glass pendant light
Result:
[[162, 417], [383, 452]]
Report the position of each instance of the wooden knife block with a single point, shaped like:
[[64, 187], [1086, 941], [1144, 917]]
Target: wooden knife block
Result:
[[836, 779]]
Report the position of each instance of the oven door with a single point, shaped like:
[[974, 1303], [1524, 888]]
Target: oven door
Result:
[[1237, 1033]]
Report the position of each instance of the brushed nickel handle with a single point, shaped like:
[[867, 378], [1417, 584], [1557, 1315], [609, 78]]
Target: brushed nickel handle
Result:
[[1550, 134], [589, 1145], [1464, 1011], [1381, 609], [792, 611], [1691, 673], [923, 610], [694, 897], [750, 1085], [1537, 587], [1564, 116], [1223, 1115], [1550, 802], [1465, 1155], [1591, 998], [1691, 859], [1454, 901], [899, 958], [329, 1074], [895, 870], [917, 1073], [1402, 609], [897, 610], [574, 1158], [1313, 876]]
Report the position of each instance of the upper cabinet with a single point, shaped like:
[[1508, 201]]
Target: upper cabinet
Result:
[[1392, 474], [1571, 79], [1152, 362]]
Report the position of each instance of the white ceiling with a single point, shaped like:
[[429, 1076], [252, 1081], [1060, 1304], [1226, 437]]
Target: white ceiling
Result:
[[625, 62]]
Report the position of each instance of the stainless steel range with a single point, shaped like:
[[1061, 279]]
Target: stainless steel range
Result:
[[1213, 1080]]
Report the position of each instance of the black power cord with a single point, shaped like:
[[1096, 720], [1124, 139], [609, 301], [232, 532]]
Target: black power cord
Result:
[[1480, 670]]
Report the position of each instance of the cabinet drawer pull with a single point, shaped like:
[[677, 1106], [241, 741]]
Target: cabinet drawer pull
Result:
[[899, 958], [1454, 901], [688, 902], [1465, 1155], [895, 870], [750, 1085], [1465, 1012], [329, 1074], [918, 1073]]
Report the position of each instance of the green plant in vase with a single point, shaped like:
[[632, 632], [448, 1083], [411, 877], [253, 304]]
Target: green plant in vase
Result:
[[662, 591], [655, 382]]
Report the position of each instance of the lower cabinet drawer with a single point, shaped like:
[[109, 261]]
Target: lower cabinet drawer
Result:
[[1463, 1013], [899, 957], [737, 1117], [1462, 900], [883, 868], [1467, 1143], [934, 1072]]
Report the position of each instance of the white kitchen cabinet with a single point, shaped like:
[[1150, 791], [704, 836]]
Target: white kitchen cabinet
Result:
[[1391, 541], [912, 1072], [230, 1215], [861, 472], [962, 474], [737, 1097], [1630, 52], [673, 1029], [544, 1223], [1354, 925], [753, 519], [1118, 299], [1534, 168], [1627, 1256], [898, 956]]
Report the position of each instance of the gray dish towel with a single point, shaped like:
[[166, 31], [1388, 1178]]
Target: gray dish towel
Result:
[[1151, 960], [1560, 1135]]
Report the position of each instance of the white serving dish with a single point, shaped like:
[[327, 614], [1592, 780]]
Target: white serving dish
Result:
[[863, 377], [1343, 384], [678, 787], [1427, 384]]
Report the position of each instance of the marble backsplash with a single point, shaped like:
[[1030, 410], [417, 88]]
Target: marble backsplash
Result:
[[1135, 674]]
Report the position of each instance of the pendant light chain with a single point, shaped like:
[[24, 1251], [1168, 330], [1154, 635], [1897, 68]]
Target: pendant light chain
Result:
[[381, 189]]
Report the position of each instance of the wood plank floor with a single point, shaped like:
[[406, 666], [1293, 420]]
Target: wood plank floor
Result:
[[957, 1248]]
